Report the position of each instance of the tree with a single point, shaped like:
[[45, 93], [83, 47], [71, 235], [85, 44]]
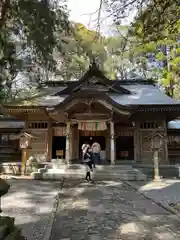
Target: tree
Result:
[[163, 36], [83, 45], [33, 26], [156, 28], [153, 17]]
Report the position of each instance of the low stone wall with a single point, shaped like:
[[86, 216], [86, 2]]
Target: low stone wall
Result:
[[11, 168], [14, 168], [165, 171]]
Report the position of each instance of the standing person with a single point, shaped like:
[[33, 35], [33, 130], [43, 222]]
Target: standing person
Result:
[[88, 164], [96, 148]]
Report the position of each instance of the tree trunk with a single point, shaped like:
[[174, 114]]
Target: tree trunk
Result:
[[4, 5]]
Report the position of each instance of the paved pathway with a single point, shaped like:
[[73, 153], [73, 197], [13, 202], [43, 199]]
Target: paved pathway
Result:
[[111, 210], [165, 191], [30, 202]]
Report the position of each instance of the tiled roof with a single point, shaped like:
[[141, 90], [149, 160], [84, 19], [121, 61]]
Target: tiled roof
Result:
[[11, 124], [44, 98], [143, 94]]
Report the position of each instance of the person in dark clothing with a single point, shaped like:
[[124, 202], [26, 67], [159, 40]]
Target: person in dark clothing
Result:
[[88, 164]]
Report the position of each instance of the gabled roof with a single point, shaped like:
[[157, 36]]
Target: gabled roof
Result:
[[94, 71], [77, 96]]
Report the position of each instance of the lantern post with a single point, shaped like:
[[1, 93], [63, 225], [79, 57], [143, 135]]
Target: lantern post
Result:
[[25, 144], [156, 144]]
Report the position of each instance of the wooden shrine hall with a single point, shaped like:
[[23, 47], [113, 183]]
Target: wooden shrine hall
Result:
[[119, 114]]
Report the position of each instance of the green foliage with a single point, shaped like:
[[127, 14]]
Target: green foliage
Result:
[[158, 20], [82, 46], [32, 27]]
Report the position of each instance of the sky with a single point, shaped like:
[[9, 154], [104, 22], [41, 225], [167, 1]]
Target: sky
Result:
[[85, 12]]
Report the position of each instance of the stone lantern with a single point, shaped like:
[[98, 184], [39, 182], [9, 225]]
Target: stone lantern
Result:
[[157, 142], [25, 142]]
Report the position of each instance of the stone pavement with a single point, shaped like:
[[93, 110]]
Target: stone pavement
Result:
[[165, 192], [30, 202], [111, 210]]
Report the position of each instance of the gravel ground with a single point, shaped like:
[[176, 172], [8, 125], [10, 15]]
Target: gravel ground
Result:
[[30, 202], [111, 210], [165, 191]]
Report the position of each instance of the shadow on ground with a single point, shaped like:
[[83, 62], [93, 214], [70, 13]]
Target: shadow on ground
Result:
[[30, 202], [111, 210], [105, 210], [165, 191]]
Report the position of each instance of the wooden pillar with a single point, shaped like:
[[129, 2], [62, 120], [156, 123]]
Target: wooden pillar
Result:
[[112, 143], [77, 142], [49, 140], [137, 146], [67, 156], [71, 136], [107, 145]]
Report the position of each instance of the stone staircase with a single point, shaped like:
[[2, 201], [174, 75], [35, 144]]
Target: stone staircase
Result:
[[102, 172]]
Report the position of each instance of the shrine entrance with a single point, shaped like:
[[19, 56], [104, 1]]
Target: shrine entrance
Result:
[[90, 140], [90, 137], [125, 148], [58, 147]]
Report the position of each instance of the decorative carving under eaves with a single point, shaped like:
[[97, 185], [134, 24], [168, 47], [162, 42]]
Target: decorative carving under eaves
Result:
[[93, 80], [93, 83], [90, 116]]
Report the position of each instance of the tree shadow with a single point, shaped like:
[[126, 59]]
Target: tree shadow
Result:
[[111, 210], [30, 202], [104, 210], [165, 192]]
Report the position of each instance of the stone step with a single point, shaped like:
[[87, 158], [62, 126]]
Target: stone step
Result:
[[123, 172], [127, 177], [100, 167], [124, 175], [104, 171]]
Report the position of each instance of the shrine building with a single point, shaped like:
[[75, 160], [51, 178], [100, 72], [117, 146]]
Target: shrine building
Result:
[[119, 114]]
